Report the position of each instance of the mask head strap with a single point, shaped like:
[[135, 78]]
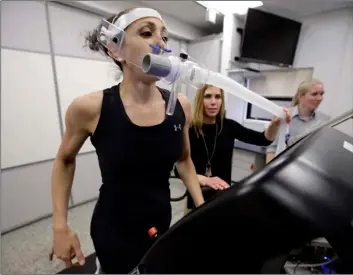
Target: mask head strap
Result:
[[125, 20], [113, 34]]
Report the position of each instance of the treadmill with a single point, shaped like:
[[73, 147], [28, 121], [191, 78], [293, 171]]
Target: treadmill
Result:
[[304, 193]]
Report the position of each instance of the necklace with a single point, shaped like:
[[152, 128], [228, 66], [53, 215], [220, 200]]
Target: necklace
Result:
[[208, 172]]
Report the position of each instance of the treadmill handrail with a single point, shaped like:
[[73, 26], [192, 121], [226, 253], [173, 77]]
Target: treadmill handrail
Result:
[[180, 198]]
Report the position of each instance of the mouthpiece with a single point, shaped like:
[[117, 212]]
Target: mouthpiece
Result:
[[156, 65]]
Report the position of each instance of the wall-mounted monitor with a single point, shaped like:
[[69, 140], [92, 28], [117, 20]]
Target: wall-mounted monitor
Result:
[[269, 39]]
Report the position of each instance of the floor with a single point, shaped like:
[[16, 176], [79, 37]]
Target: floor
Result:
[[26, 250]]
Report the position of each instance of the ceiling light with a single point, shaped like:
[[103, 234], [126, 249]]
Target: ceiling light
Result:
[[231, 7]]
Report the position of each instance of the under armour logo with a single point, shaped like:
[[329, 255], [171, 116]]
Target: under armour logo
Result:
[[176, 127]]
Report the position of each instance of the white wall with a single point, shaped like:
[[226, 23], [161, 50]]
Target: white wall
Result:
[[326, 43], [231, 41], [280, 83], [230, 49], [207, 52], [24, 125]]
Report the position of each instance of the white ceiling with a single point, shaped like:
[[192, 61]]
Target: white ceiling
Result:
[[193, 13], [187, 11]]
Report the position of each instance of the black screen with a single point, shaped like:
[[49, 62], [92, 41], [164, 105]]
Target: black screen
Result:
[[268, 38]]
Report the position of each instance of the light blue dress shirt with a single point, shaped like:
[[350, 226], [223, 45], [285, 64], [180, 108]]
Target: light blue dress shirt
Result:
[[299, 126]]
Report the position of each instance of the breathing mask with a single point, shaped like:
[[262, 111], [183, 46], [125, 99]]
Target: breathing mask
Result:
[[112, 35]]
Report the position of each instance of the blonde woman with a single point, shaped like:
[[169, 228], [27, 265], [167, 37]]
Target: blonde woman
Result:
[[212, 138], [304, 112]]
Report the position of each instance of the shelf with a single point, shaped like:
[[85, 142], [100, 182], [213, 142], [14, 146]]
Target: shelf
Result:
[[263, 72]]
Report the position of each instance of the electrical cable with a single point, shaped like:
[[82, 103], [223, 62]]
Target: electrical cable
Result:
[[312, 265], [296, 266]]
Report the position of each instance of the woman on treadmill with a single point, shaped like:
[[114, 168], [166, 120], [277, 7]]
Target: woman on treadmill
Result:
[[136, 143], [212, 137]]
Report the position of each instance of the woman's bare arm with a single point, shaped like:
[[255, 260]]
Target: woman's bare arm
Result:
[[269, 157], [77, 121], [185, 166]]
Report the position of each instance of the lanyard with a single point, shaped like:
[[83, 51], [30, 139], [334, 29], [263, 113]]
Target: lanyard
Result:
[[286, 139]]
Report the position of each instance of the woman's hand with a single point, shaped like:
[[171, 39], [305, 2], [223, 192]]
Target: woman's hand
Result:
[[217, 183], [213, 182], [272, 129], [66, 247], [277, 121]]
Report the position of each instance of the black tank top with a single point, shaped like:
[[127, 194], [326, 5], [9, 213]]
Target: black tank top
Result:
[[136, 161]]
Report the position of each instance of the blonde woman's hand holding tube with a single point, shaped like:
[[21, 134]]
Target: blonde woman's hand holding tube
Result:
[[272, 130]]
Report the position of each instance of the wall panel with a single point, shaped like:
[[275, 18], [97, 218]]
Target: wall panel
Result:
[[77, 77], [25, 194], [30, 129], [69, 27], [280, 83], [23, 26], [206, 52]]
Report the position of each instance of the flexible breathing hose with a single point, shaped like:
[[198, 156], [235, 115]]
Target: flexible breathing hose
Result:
[[175, 71]]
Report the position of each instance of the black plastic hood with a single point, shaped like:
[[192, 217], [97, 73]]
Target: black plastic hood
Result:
[[304, 193]]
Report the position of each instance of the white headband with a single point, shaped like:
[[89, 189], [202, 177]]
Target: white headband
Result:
[[125, 20]]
